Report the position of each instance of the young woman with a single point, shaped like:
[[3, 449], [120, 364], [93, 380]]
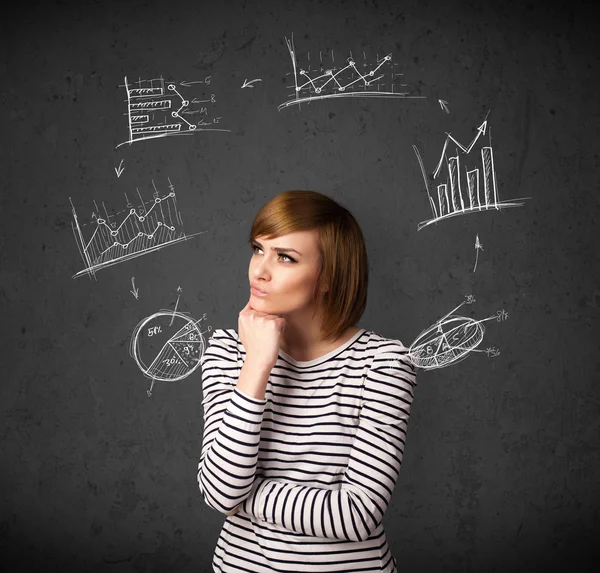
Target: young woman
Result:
[[305, 413]]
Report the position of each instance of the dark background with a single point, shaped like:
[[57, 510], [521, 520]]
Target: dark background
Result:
[[501, 465]]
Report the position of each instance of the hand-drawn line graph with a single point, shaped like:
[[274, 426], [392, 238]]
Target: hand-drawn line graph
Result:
[[157, 110], [167, 346], [325, 79], [481, 193], [151, 226], [451, 339]]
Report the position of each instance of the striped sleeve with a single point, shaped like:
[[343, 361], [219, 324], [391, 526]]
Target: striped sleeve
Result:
[[353, 511], [231, 434]]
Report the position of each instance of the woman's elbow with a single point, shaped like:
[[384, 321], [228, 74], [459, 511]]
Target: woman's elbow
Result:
[[225, 510]]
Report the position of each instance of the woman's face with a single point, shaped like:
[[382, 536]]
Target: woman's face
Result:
[[286, 268]]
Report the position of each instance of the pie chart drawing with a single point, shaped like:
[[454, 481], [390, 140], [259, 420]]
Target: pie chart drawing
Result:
[[167, 346], [446, 342]]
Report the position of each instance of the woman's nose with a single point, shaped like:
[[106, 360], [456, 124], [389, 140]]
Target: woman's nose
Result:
[[261, 268]]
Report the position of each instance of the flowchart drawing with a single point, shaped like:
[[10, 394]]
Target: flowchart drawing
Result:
[[156, 108], [451, 339], [150, 226], [364, 76], [167, 346], [461, 191]]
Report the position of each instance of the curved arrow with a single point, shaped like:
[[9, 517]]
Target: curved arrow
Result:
[[135, 291], [248, 84]]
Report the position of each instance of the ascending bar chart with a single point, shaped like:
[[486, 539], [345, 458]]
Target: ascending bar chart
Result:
[[466, 188]]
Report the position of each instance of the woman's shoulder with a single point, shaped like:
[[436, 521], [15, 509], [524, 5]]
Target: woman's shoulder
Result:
[[376, 348], [390, 353], [380, 343]]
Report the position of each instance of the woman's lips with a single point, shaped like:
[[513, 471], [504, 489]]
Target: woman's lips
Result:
[[256, 291]]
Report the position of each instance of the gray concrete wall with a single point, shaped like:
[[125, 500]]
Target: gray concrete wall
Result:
[[501, 465]]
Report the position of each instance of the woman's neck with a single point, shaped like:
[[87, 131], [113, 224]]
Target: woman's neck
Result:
[[303, 348]]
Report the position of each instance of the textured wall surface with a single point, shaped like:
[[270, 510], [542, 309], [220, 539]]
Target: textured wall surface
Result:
[[501, 465]]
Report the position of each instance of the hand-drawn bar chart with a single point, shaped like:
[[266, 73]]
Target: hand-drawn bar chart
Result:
[[148, 227], [156, 108], [464, 190]]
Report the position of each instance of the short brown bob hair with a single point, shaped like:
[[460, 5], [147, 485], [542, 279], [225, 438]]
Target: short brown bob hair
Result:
[[344, 268]]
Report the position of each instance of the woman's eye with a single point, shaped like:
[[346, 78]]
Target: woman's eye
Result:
[[255, 247]]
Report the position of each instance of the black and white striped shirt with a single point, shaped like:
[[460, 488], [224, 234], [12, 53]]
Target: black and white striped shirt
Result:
[[314, 464]]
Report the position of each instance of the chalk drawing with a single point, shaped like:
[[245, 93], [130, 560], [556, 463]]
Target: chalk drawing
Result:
[[119, 170], [248, 84], [478, 192], [136, 291], [131, 232], [451, 339], [478, 247], [349, 76], [158, 108], [167, 346]]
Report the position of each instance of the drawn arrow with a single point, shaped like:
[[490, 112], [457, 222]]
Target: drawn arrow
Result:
[[176, 304], [248, 84], [135, 291], [478, 246], [480, 131], [444, 105], [118, 170], [187, 84]]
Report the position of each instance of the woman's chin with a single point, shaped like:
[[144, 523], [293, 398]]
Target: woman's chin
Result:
[[259, 301]]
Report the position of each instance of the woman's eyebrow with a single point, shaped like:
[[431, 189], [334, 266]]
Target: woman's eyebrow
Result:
[[277, 249]]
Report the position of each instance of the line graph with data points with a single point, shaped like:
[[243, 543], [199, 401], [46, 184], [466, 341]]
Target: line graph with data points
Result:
[[323, 78], [150, 226]]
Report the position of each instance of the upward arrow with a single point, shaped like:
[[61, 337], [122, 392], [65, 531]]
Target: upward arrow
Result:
[[480, 131]]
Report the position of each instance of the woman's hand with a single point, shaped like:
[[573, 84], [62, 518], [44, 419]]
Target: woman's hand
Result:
[[260, 334]]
